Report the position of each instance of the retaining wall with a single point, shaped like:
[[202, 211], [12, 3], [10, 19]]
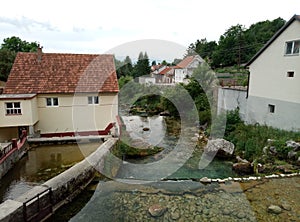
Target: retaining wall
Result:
[[62, 188], [13, 156]]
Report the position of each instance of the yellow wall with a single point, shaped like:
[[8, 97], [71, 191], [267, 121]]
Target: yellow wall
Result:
[[74, 114], [28, 117]]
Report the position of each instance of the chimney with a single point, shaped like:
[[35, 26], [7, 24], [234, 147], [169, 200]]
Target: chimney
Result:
[[39, 53]]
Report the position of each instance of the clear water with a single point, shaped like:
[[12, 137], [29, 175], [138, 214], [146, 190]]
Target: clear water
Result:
[[39, 165], [160, 135]]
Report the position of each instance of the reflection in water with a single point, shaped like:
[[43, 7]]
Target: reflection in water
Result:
[[41, 164]]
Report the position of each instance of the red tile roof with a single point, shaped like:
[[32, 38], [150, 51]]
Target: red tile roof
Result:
[[62, 73], [185, 62]]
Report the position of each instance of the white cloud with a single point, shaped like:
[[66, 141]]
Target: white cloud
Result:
[[96, 26]]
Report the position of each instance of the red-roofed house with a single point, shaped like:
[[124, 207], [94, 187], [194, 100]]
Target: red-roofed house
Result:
[[185, 68], [58, 94]]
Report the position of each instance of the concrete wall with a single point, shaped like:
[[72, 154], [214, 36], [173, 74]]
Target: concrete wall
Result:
[[64, 186], [7, 163], [230, 99], [286, 115], [74, 114], [255, 109]]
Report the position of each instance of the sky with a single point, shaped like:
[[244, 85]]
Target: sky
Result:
[[127, 27]]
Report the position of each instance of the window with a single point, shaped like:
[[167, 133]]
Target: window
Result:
[[290, 74], [13, 108], [93, 100], [52, 101], [292, 47], [271, 108]]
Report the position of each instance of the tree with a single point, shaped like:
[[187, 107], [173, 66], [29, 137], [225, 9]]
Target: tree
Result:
[[16, 44], [8, 51], [203, 48], [142, 66], [6, 61], [229, 48], [124, 68]]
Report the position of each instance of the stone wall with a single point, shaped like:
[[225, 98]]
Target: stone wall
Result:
[[64, 187]]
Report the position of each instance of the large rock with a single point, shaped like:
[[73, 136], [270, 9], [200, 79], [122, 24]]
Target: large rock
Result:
[[294, 145], [243, 168], [222, 148]]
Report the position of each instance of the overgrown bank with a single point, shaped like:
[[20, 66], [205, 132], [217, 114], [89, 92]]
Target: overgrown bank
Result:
[[267, 149]]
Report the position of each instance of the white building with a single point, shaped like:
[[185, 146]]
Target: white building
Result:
[[273, 96], [185, 68]]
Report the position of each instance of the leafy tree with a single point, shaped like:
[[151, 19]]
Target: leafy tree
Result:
[[229, 48], [6, 61], [124, 68], [16, 44], [8, 51], [204, 48], [237, 45]]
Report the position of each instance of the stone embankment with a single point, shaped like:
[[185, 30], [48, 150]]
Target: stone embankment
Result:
[[41, 201]]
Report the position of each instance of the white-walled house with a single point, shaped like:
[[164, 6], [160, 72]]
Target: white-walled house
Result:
[[273, 94], [274, 80], [59, 94], [185, 68]]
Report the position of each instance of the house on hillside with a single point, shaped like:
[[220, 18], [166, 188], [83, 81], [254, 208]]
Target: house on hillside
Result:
[[273, 94], [185, 68], [58, 94]]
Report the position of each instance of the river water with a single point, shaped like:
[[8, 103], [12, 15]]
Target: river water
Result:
[[129, 198], [40, 164]]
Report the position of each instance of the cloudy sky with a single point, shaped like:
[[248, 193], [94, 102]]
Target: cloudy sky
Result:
[[102, 26]]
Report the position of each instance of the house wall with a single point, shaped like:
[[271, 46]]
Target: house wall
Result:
[[73, 113], [180, 74], [230, 99], [28, 117], [268, 73], [286, 115], [269, 84]]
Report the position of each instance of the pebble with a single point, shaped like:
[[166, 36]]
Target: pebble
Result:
[[157, 210], [274, 209]]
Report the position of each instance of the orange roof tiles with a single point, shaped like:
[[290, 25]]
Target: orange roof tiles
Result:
[[167, 70], [62, 73], [185, 62]]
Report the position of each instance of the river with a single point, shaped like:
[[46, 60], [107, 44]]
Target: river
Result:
[[40, 164], [131, 199]]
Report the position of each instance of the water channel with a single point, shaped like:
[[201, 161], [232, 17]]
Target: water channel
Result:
[[40, 164]]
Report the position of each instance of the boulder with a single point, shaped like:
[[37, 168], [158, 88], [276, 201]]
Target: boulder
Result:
[[274, 209], [273, 150], [240, 160], [157, 210], [294, 145], [243, 168], [222, 148], [292, 155]]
